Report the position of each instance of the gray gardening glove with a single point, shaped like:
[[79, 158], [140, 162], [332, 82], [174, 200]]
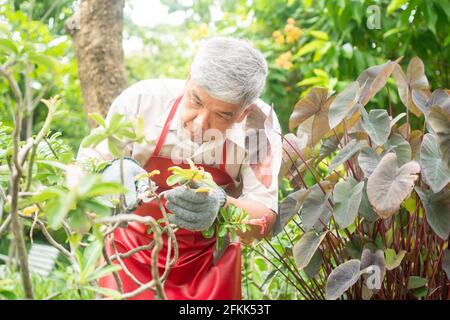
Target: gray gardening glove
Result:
[[131, 169], [192, 210]]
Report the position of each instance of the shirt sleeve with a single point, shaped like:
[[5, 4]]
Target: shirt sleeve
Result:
[[260, 183]]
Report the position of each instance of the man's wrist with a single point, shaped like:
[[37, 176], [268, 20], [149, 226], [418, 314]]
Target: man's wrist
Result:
[[222, 196]]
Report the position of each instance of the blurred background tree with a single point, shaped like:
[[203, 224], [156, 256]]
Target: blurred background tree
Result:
[[307, 43]]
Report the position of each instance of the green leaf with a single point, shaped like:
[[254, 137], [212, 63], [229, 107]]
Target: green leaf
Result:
[[377, 125], [79, 221], [347, 195], [342, 278], [54, 164], [439, 120], [93, 139], [97, 117], [368, 160], [103, 271], [315, 207], [42, 60], [115, 121], [434, 170], [400, 146], [394, 5], [310, 47], [305, 248], [437, 208], [175, 178], [389, 185], [343, 103], [104, 188], [8, 46], [115, 147], [97, 207], [104, 291], [91, 255], [416, 282], [313, 267], [288, 208], [393, 259], [349, 150], [365, 208], [57, 209]]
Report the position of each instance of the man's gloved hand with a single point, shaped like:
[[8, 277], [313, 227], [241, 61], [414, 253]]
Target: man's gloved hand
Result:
[[131, 169], [192, 210]]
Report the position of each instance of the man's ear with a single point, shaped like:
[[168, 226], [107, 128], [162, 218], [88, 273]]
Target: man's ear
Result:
[[244, 113]]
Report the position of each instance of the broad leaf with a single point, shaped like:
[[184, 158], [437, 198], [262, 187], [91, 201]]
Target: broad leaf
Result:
[[365, 208], [389, 185], [342, 278], [328, 147], [434, 170], [344, 102], [438, 97], [377, 125], [372, 269], [400, 146], [439, 120], [393, 259], [313, 267], [311, 112], [90, 257], [349, 150], [373, 79], [305, 248], [415, 282], [368, 160], [414, 81], [347, 196], [437, 208], [315, 206], [288, 208]]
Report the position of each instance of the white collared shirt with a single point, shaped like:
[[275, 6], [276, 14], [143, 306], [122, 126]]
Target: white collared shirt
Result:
[[152, 100]]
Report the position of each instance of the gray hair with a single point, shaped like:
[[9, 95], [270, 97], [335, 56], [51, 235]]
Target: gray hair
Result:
[[230, 70]]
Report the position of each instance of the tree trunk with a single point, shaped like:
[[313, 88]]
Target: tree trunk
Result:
[[97, 35]]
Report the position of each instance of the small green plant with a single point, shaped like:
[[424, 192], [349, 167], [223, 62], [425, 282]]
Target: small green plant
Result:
[[229, 221]]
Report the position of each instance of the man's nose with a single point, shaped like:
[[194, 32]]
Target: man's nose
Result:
[[202, 121]]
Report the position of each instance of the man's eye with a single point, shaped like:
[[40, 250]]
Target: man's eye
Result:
[[222, 116]]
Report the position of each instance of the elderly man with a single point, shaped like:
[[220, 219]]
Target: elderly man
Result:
[[212, 118]]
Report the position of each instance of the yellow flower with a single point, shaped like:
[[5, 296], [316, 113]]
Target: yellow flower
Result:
[[28, 211], [204, 30], [284, 60], [291, 21], [293, 33], [276, 33], [288, 28], [280, 39]]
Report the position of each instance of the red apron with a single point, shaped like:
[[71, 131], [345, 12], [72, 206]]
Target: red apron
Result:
[[194, 276]]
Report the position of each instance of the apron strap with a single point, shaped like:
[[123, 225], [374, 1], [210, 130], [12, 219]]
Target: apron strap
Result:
[[224, 156], [162, 137]]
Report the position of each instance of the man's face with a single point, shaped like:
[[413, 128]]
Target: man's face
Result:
[[202, 112]]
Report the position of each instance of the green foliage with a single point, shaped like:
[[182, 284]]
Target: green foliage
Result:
[[375, 187]]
